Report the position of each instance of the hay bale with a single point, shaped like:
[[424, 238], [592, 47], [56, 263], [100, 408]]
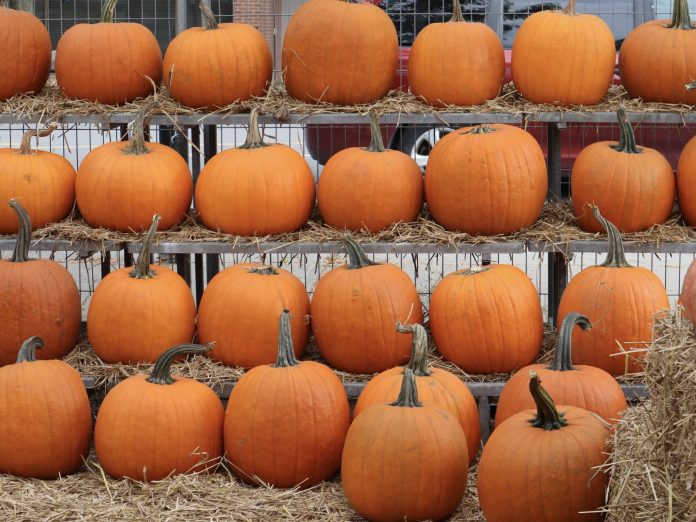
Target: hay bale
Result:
[[653, 464]]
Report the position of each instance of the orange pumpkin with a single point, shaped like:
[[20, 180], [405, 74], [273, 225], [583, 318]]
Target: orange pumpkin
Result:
[[563, 58], [370, 188], [586, 387], [286, 423], [405, 460], [632, 186], [152, 427], [43, 182], [107, 62], [25, 62], [215, 65], [40, 297], [435, 386], [256, 189], [686, 182], [239, 313], [657, 58], [469, 76], [487, 320], [137, 313], [621, 301], [688, 294], [486, 180], [340, 52], [538, 465], [120, 185], [354, 309]]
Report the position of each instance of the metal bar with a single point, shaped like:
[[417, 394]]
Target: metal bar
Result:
[[484, 408], [54, 245], [198, 276], [181, 23], [183, 267], [105, 264], [558, 278], [554, 162], [212, 261], [494, 16]]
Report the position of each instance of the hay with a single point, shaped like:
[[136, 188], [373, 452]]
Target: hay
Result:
[[653, 464]]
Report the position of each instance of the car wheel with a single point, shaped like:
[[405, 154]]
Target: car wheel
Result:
[[418, 141]]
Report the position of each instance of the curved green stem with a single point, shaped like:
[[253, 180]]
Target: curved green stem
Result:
[[263, 270], [357, 258], [472, 271], [161, 373], [570, 8], [547, 416], [408, 395], [563, 358], [627, 138], [136, 144], [286, 353], [616, 257], [142, 266], [457, 15], [27, 352], [376, 142], [107, 16], [680, 16], [25, 146], [419, 349], [254, 139], [21, 249], [480, 129], [209, 21]]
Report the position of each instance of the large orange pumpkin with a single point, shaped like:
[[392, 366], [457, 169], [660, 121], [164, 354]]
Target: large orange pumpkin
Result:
[[256, 189], [632, 186], [539, 465], [107, 62], [370, 188], [215, 65], [688, 293], [136, 313], [120, 185], [563, 58], [354, 309], [39, 297], [586, 387], [657, 58], [25, 61], [686, 182], [340, 52], [487, 320], [486, 180], [435, 386], [621, 301], [469, 76], [286, 423], [43, 182], [239, 313], [152, 427], [405, 460]]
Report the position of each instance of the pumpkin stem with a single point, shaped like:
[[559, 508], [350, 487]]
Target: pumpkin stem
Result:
[[570, 8], [107, 16], [161, 373], [627, 138], [25, 147], [263, 270], [408, 395], [21, 249], [691, 86], [680, 16], [457, 15], [3, 3], [27, 352], [286, 353], [480, 129], [547, 417], [563, 358], [136, 144], [142, 266], [254, 139], [616, 257], [209, 21], [357, 258], [472, 271], [419, 349], [376, 142]]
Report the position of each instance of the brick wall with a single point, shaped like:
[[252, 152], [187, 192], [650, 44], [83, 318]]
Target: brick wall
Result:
[[260, 14]]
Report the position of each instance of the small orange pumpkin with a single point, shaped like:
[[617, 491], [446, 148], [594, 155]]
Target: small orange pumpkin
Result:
[[686, 182], [688, 294]]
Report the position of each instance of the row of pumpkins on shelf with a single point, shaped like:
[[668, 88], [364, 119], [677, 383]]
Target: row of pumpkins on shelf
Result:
[[347, 53], [405, 455], [483, 180]]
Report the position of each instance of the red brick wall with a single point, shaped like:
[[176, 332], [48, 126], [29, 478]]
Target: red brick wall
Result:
[[260, 14]]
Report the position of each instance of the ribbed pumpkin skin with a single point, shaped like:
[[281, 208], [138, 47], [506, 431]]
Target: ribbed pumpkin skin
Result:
[[146, 431], [488, 321], [486, 183], [108, 62], [633, 191], [562, 59], [135, 320], [121, 191], [688, 294], [402, 463], [441, 388], [287, 425], [686, 182], [359, 189], [353, 316], [339, 52], [267, 190], [213, 68], [529, 474], [26, 58], [469, 76], [239, 313], [40, 297], [620, 303], [46, 417], [43, 182]]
